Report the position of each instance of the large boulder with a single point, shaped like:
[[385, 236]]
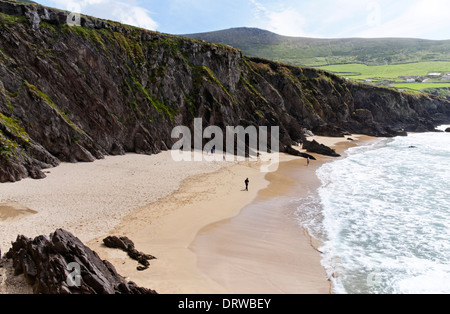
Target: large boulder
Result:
[[62, 264], [316, 147], [125, 244], [292, 151]]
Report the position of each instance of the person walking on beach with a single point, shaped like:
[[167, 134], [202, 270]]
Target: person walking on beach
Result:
[[246, 184], [308, 161]]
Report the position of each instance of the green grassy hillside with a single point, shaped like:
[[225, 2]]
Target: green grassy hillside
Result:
[[320, 52], [383, 61]]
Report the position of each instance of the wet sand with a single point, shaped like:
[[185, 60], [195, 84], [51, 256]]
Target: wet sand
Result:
[[14, 211], [264, 249]]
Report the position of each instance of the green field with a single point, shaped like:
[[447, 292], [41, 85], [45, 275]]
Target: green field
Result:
[[395, 75], [387, 72], [421, 86]]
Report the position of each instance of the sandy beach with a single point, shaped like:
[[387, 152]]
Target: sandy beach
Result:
[[89, 199], [209, 235]]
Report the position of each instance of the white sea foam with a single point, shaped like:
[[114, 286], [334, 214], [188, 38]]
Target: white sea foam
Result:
[[385, 216]]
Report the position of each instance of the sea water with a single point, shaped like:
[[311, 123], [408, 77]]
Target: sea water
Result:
[[383, 216]]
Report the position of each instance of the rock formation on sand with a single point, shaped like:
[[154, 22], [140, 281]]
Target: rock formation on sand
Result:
[[79, 93], [315, 147], [62, 264], [127, 245]]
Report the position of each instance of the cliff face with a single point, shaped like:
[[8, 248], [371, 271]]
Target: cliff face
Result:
[[80, 93]]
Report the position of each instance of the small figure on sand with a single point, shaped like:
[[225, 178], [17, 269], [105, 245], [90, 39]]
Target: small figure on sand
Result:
[[308, 161], [246, 184]]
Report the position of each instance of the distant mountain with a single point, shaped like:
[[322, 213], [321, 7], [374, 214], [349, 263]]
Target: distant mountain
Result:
[[318, 52]]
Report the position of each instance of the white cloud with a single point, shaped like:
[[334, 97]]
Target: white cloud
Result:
[[287, 22], [136, 16], [355, 18], [422, 18], [283, 21], [126, 12]]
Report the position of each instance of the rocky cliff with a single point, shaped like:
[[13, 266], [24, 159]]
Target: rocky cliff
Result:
[[78, 93]]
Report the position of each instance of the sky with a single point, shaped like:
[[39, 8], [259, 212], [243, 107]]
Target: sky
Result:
[[427, 19]]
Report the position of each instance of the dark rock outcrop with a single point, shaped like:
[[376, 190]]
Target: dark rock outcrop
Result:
[[79, 93], [315, 147], [292, 151], [447, 130], [125, 244], [62, 264]]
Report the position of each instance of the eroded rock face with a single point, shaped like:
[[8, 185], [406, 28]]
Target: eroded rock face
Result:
[[77, 94], [62, 264]]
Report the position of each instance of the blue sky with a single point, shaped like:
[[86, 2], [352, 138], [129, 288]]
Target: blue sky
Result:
[[428, 19]]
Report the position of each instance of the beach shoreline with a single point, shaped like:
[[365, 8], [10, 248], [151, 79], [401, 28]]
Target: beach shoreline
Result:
[[163, 210], [173, 239], [264, 249]]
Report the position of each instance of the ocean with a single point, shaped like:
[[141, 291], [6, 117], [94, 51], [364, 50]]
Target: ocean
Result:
[[382, 215]]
